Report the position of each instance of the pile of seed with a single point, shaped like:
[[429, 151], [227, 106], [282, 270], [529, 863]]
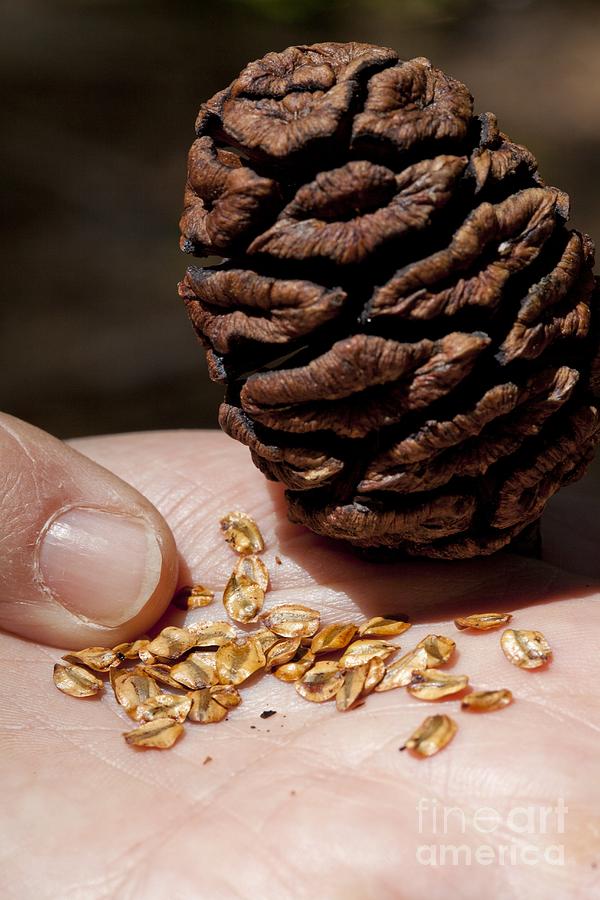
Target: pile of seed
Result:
[[206, 662]]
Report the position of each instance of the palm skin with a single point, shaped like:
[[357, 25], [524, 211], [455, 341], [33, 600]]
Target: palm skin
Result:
[[311, 802]]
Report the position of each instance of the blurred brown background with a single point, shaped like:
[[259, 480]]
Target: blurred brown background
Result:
[[99, 101]]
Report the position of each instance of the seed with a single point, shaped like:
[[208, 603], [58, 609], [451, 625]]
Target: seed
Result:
[[194, 596], [375, 672], [198, 670], [205, 709], [320, 683], [526, 649], [266, 638], [487, 701], [159, 672], [243, 598], [172, 642], [253, 567], [242, 533], [237, 662], [159, 734], [294, 670], [132, 687], [333, 637], [292, 620], [400, 673], [226, 695], [483, 621], [135, 650], [211, 634], [432, 735], [76, 681], [432, 684], [163, 706], [364, 650], [282, 652], [97, 658], [352, 687], [383, 627], [439, 649]]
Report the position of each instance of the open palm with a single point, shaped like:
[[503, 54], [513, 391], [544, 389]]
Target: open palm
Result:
[[311, 802]]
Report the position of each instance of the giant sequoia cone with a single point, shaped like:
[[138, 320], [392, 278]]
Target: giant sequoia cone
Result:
[[405, 325]]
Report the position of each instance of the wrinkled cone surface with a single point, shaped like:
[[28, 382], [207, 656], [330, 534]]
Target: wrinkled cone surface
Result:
[[406, 328]]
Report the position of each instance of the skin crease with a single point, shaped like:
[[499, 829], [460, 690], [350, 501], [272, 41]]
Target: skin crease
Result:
[[311, 802]]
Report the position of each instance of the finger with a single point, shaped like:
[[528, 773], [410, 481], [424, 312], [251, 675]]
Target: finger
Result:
[[84, 558], [195, 477]]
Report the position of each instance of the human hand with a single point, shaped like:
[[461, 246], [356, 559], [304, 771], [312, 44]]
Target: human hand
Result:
[[310, 802]]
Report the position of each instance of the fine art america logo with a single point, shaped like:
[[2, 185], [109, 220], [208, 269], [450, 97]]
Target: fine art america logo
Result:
[[522, 835]]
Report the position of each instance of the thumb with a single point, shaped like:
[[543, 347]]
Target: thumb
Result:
[[84, 558]]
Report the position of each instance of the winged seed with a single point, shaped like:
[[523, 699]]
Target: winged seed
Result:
[[487, 701], [400, 673], [362, 651], [432, 735], [76, 681], [525, 649], [432, 684], [320, 683], [160, 734], [100, 659], [482, 621], [242, 533], [238, 661], [243, 598], [383, 627], [292, 620], [333, 637], [195, 596]]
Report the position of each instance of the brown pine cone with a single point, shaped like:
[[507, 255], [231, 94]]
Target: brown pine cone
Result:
[[405, 325]]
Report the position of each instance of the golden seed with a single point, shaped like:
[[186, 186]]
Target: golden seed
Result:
[[282, 652], [400, 673], [205, 709], [132, 687], [375, 673], [237, 662], [364, 650], [163, 706], [159, 672], [439, 649], [294, 670], [135, 650], [194, 596], [100, 659], [253, 567], [242, 533], [159, 734], [266, 638], [243, 598], [320, 683], [76, 681], [226, 695], [383, 627], [432, 684], [197, 670], [487, 701], [333, 637], [525, 649], [211, 634], [292, 620], [482, 621], [352, 687], [172, 642], [432, 735]]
